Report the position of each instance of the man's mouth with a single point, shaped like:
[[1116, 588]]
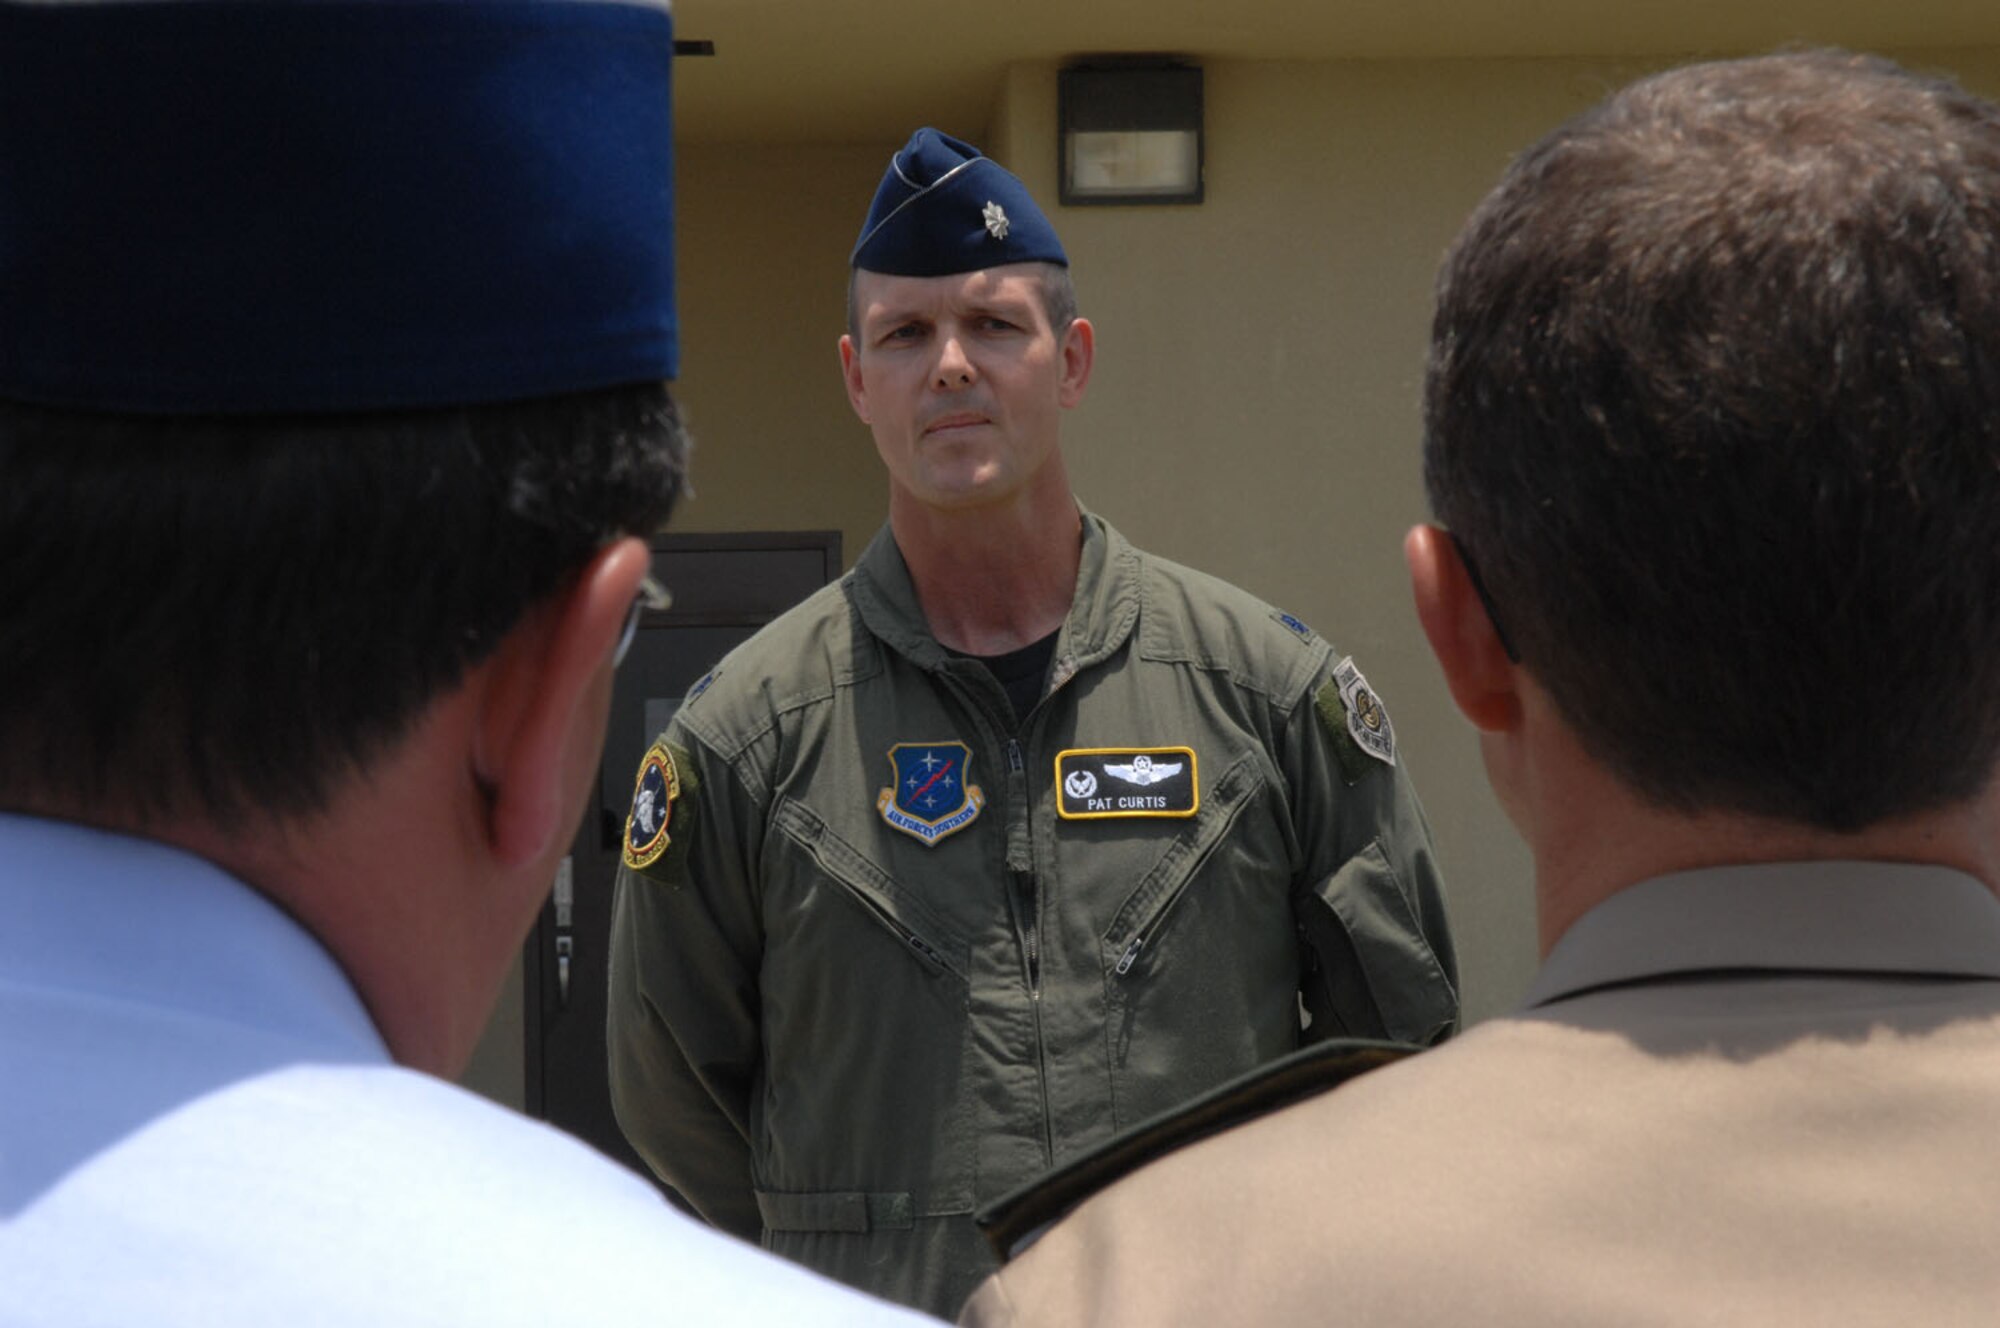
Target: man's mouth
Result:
[[958, 419]]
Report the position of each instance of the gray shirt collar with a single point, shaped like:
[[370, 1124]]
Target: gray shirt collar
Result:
[[1866, 917]]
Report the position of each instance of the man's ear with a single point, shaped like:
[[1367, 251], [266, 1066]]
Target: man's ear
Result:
[[850, 377], [1079, 352], [1483, 681], [541, 695]]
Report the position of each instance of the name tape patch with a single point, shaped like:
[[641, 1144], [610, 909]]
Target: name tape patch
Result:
[[1097, 782]]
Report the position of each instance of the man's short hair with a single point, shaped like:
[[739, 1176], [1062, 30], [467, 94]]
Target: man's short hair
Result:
[[221, 615], [1058, 299], [1713, 408]]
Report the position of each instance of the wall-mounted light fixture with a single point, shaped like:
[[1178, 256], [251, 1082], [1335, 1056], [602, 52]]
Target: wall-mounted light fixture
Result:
[[1130, 130]]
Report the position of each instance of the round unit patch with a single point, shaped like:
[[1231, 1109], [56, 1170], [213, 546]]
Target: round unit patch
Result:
[[652, 808]]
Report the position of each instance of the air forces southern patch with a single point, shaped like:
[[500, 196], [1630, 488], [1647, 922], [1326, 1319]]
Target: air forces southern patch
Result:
[[1097, 782], [652, 808], [933, 795]]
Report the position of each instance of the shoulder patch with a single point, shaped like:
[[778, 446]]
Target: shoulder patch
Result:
[[660, 824], [1293, 625], [648, 824], [1354, 721], [1366, 719]]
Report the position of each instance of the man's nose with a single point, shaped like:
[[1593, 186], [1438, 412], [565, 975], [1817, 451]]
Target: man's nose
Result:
[[954, 367]]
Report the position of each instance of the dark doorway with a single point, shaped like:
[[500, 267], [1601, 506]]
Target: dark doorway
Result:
[[725, 587]]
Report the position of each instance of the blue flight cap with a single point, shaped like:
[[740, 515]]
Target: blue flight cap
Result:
[[241, 206], [943, 208]]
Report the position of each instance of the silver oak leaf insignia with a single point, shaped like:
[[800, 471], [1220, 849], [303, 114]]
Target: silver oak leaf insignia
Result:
[[996, 220]]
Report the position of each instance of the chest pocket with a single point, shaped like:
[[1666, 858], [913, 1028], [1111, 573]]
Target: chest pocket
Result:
[[1200, 962], [1151, 904], [905, 915]]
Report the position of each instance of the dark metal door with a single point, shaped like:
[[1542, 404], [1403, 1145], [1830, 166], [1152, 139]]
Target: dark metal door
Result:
[[725, 587]]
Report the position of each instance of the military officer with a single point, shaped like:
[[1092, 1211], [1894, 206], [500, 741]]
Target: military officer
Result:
[[1009, 838]]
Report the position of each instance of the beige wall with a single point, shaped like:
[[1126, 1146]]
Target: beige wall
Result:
[[1255, 405], [764, 236]]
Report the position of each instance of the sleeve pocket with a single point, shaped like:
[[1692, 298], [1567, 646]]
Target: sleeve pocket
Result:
[[1368, 971]]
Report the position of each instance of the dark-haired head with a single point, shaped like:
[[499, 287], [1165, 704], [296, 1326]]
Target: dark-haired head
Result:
[[1713, 408], [219, 616]]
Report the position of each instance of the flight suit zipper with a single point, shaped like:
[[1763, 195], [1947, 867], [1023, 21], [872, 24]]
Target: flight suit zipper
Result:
[[840, 864], [1131, 955], [1028, 926], [1034, 938], [977, 693]]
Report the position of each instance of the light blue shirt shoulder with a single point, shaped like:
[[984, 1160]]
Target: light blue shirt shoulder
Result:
[[201, 1126]]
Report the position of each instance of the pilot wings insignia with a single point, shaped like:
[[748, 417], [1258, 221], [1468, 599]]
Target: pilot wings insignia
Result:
[[1143, 770]]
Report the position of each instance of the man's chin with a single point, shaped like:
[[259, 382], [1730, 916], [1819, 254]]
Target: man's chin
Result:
[[981, 487]]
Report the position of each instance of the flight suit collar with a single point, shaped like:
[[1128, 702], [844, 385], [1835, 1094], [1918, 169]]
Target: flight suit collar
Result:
[[1102, 614]]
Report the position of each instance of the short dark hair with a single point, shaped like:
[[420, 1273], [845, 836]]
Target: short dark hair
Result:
[[1058, 299], [1713, 407], [212, 616]]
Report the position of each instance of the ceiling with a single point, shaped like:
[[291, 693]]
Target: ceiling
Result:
[[856, 70]]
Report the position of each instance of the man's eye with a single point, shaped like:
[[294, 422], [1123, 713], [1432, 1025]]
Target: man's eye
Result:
[[904, 332], [993, 323]]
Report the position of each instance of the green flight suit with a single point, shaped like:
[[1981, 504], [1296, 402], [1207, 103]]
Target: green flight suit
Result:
[[839, 1036]]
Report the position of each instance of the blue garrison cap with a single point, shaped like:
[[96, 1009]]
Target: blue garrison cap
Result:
[[943, 208], [244, 206]]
